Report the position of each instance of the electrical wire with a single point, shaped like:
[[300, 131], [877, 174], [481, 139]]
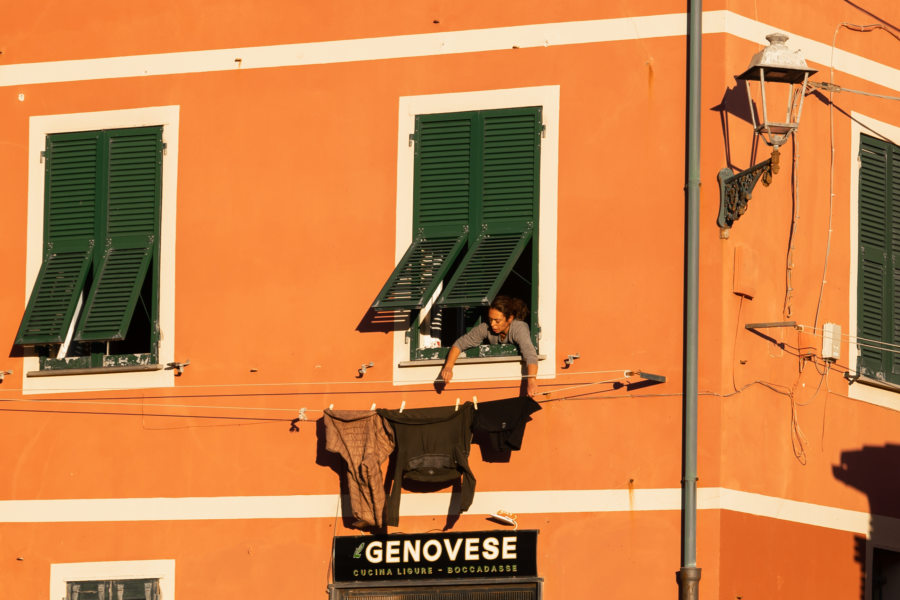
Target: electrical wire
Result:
[[874, 344], [737, 328], [833, 87], [787, 309]]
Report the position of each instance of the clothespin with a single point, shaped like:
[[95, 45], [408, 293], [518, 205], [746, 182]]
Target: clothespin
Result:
[[372, 407], [402, 405], [457, 405], [331, 406], [475, 401], [301, 416]]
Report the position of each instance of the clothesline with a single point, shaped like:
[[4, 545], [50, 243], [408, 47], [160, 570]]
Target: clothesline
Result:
[[546, 396], [352, 382]]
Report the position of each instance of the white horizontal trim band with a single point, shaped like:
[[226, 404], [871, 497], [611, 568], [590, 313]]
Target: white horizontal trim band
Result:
[[433, 44], [435, 504]]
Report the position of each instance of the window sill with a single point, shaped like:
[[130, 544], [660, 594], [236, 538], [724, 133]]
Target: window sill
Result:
[[466, 361], [93, 370], [884, 385]]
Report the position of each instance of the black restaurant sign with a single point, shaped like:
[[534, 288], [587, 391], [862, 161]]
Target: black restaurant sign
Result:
[[462, 555]]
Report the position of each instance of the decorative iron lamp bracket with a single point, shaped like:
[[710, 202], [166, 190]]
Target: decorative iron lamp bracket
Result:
[[736, 189]]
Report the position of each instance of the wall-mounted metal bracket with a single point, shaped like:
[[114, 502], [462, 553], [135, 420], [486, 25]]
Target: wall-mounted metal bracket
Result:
[[3, 375], [363, 368], [570, 360], [736, 189], [178, 366]]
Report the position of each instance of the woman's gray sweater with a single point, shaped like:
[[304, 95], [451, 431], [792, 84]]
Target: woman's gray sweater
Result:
[[518, 334]]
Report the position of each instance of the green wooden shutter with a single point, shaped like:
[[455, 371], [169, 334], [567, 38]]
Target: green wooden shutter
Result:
[[875, 301], [110, 304], [133, 184], [484, 269], [441, 190], [508, 174], [56, 292], [894, 291], [71, 183]]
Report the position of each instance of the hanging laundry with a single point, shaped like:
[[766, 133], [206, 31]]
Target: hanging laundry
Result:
[[500, 425], [364, 441], [433, 446]]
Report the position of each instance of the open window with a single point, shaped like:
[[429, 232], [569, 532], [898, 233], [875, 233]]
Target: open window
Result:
[[95, 302], [476, 200]]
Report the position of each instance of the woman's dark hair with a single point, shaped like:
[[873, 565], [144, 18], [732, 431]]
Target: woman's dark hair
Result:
[[510, 307]]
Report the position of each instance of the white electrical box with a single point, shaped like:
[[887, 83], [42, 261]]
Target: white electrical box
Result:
[[831, 341]]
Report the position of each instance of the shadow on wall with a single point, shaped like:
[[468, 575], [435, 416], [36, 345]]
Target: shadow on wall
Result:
[[385, 321], [875, 470], [734, 103]]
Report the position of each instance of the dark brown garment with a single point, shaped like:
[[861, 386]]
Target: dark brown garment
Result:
[[364, 441]]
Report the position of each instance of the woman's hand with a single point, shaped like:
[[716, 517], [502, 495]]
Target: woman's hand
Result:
[[447, 370]]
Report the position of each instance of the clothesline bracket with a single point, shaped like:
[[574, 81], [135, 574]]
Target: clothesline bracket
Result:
[[363, 368], [651, 376], [178, 366], [3, 374]]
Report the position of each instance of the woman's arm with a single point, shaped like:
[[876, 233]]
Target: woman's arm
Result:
[[468, 340], [520, 334], [447, 370], [531, 386]]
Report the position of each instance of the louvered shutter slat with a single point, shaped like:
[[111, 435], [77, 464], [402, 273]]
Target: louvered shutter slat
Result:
[[441, 189], [442, 180], [484, 269], [70, 197], [135, 166], [54, 298], [874, 283], [419, 272], [510, 166], [508, 174], [894, 291], [113, 297], [133, 183], [71, 185]]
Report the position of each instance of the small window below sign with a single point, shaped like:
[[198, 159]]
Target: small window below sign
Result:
[[481, 591]]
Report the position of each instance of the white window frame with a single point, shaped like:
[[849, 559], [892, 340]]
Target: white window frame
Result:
[[39, 127], [546, 97], [63, 573], [860, 124]]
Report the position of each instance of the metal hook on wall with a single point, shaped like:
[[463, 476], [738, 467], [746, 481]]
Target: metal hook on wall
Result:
[[570, 360]]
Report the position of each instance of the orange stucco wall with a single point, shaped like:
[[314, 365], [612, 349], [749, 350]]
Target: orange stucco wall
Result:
[[286, 213]]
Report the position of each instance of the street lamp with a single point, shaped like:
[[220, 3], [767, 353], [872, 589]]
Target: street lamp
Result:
[[773, 64]]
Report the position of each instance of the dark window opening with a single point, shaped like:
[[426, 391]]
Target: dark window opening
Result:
[[122, 589]]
